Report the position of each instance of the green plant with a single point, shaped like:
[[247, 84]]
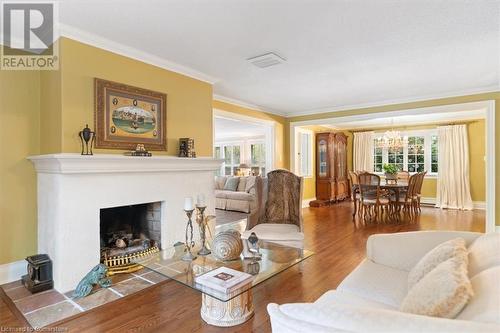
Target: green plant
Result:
[[390, 169]]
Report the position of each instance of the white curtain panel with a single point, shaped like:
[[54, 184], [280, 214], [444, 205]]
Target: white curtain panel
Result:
[[363, 151], [453, 183]]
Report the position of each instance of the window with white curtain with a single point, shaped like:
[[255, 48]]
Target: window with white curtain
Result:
[[419, 155]]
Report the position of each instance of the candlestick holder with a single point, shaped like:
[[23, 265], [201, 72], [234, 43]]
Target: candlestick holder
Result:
[[204, 250], [188, 256]]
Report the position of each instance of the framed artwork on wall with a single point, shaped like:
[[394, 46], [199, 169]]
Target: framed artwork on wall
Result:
[[126, 116]]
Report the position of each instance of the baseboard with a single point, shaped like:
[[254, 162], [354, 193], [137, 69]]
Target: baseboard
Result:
[[497, 228], [479, 205], [305, 202], [12, 271]]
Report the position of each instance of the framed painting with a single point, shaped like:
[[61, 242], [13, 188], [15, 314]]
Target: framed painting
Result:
[[126, 116]]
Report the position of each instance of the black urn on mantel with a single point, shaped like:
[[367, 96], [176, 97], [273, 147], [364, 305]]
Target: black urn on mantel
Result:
[[39, 277]]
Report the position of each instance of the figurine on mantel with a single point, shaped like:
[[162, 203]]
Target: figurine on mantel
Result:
[[140, 150]]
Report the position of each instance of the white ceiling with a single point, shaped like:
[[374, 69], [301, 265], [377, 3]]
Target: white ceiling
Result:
[[407, 120], [225, 128], [339, 53]]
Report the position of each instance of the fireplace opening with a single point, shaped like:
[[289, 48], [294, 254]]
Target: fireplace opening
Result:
[[129, 231]]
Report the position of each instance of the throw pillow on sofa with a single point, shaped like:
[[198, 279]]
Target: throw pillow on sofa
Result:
[[443, 292], [232, 184], [220, 181], [242, 184], [434, 257], [484, 253]]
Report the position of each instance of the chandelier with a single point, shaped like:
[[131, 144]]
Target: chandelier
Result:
[[392, 139]]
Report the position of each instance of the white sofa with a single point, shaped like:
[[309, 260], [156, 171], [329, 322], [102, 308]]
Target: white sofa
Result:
[[244, 199], [368, 299]]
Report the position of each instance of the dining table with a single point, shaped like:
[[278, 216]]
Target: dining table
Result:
[[399, 188]]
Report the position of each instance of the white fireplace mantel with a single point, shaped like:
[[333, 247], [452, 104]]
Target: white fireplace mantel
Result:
[[72, 190], [112, 163]]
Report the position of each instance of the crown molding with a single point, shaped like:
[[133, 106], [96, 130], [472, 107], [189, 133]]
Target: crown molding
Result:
[[130, 52], [490, 89], [237, 102]]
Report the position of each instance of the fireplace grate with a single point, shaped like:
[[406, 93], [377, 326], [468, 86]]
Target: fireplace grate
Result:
[[124, 263]]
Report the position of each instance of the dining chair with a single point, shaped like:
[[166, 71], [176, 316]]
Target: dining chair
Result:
[[418, 190], [355, 192], [407, 201], [373, 201]]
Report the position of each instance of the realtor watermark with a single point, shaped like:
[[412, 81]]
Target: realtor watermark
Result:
[[29, 32]]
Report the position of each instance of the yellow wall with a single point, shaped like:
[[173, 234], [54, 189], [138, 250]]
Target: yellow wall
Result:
[[19, 137], [42, 112], [189, 101], [281, 159], [495, 96]]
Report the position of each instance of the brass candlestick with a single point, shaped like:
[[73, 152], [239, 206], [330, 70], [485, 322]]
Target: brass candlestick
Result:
[[189, 237], [204, 250]]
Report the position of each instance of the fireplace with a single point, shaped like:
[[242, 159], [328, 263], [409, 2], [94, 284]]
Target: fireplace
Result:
[[73, 189], [128, 232]]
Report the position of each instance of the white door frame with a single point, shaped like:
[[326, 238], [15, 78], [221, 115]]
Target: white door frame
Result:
[[270, 136], [489, 109]]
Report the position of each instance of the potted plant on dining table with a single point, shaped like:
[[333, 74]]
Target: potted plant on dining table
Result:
[[391, 173]]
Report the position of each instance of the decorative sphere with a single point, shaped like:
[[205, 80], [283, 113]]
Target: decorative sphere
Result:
[[227, 245]]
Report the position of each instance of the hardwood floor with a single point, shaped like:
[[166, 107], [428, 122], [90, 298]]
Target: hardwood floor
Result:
[[329, 232]]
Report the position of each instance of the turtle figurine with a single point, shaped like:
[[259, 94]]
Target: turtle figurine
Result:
[[96, 276]]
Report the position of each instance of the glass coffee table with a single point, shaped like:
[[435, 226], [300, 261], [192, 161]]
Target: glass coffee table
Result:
[[221, 309]]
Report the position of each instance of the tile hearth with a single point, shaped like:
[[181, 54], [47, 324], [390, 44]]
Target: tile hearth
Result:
[[50, 306]]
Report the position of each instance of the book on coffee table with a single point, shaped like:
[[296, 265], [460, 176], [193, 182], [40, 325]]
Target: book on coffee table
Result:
[[224, 279]]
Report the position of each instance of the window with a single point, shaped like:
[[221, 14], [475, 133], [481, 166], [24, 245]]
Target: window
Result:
[[434, 154], [251, 152], [421, 154], [258, 158], [377, 159], [396, 157], [304, 155], [230, 153], [416, 154]]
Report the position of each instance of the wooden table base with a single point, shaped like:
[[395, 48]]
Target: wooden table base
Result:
[[226, 314]]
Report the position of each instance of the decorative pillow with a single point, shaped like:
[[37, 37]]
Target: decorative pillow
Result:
[[434, 257], [220, 181], [250, 183], [232, 184], [485, 305], [484, 253], [242, 184], [441, 293]]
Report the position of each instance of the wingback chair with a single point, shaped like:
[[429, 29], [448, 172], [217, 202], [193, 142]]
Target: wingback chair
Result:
[[279, 218]]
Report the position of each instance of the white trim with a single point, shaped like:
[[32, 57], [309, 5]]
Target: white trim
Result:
[[131, 52], [243, 104], [270, 136], [68, 163], [476, 205], [490, 167], [12, 271], [489, 89], [488, 106], [497, 228], [305, 202], [297, 160]]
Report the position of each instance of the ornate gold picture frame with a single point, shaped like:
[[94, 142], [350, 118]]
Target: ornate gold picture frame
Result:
[[126, 116]]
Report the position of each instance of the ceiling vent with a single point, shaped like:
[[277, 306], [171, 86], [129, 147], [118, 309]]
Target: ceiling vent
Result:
[[266, 60]]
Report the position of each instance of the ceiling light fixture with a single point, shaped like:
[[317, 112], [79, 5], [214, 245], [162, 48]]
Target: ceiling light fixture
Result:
[[266, 60], [392, 139]]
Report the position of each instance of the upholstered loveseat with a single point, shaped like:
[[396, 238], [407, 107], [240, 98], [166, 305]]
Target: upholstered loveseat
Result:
[[368, 299], [242, 198]]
